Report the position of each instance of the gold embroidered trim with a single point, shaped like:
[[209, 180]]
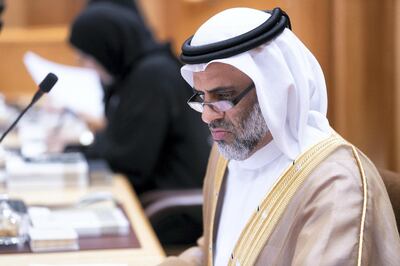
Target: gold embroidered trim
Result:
[[219, 176], [364, 209], [260, 226]]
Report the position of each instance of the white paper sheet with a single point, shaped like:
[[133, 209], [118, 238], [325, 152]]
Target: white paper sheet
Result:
[[78, 89], [85, 221]]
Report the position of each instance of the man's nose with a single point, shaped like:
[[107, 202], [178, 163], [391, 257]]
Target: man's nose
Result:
[[209, 114]]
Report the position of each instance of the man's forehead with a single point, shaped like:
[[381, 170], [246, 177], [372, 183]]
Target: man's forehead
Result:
[[218, 74], [220, 68]]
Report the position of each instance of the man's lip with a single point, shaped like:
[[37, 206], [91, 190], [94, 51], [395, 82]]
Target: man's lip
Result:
[[218, 130], [219, 133]]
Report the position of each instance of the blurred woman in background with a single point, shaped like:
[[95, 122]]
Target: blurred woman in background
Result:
[[149, 133]]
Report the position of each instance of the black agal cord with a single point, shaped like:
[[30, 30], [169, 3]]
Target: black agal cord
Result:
[[268, 30]]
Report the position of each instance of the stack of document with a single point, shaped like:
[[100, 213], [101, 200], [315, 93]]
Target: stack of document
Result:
[[47, 171], [85, 221], [51, 239]]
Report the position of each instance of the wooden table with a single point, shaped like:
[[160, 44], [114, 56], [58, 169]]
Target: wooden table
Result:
[[150, 252]]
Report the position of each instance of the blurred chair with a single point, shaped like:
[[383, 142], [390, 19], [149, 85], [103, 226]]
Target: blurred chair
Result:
[[176, 215], [392, 183], [156, 202]]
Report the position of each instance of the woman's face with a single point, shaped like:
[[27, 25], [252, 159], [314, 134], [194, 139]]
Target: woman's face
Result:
[[88, 61]]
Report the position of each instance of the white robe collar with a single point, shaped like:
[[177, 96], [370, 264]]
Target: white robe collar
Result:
[[260, 158]]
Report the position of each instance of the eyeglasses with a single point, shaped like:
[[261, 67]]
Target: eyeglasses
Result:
[[196, 102]]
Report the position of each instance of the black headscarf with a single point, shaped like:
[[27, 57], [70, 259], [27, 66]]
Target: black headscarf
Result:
[[131, 4], [112, 34], [128, 4], [2, 7]]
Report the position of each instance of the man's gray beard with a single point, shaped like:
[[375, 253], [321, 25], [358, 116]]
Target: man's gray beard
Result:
[[247, 135]]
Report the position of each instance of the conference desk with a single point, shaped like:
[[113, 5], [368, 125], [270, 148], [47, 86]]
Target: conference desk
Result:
[[149, 253]]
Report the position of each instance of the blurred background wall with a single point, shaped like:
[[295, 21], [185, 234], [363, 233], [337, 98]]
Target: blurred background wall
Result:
[[357, 43]]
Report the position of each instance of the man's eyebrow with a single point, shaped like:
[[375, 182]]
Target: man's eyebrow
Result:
[[215, 90]]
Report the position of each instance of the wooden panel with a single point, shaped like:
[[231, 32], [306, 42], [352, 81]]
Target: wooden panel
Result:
[[41, 12], [15, 13], [364, 78], [396, 127], [49, 42], [154, 13], [50, 12]]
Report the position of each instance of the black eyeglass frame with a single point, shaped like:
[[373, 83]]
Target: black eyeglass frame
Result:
[[199, 106]]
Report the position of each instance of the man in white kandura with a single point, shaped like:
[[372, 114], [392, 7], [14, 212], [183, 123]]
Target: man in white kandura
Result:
[[282, 188]]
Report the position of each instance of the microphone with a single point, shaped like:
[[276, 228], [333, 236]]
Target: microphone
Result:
[[44, 87]]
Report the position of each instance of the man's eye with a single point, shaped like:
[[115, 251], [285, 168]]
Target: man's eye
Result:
[[224, 96]]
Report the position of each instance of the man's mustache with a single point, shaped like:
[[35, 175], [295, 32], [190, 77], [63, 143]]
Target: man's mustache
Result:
[[221, 124]]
